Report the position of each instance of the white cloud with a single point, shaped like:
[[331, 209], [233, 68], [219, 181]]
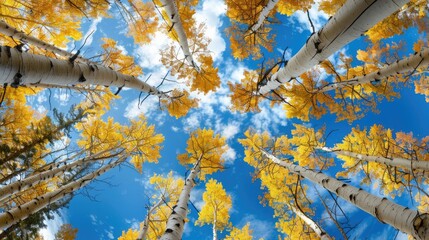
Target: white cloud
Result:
[[63, 97], [109, 234], [269, 118], [211, 13], [135, 224], [197, 198], [94, 220], [149, 56], [53, 225], [318, 18], [89, 35], [261, 228], [286, 54], [148, 107], [230, 130], [229, 156], [175, 129]]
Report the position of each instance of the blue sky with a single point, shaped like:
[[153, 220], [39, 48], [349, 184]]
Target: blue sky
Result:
[[122, 203]]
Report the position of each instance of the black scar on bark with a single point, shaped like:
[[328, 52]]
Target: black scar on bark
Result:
[[82, 78], [16, 80], [169, 230]]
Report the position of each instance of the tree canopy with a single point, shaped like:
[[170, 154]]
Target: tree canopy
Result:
[[235, 119]]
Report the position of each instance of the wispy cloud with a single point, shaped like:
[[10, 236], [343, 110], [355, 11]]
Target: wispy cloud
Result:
[[53, 225], [89, 35], [211, 13], [261, 228], [317, 17]]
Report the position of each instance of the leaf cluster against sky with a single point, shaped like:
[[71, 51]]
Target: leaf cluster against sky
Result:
[[123, 204]]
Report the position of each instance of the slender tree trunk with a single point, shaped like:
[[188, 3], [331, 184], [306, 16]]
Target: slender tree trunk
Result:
[[144, 230], [21, 185], [170, 7], [214, 225], [352, 20], [420, 59], [402, 218], [24, 38], [8, 231], [21, 212], [42, 139], [394, 161], [263, 15], [176, 221], [312, 224], [22, 68]]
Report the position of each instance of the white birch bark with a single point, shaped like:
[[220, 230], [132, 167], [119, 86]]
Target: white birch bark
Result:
[[55, 170], [214, 225], [23, 211], [22, 68], [402, 218], [420, 59], [176, 221], [263, 15], [24, 38], [394, 161], [352, 20], [312, 224], [171, 9], [143, 232]]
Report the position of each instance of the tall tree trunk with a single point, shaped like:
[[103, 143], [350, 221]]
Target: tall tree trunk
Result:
[[393, 161], [214, 225], [352, 20], [24, 38], [420, 59], [23, 184], [170, 7], [263, 15], [21, 212], [22, 68], [176, 221], [312, 224], [144, 230], [402, 218]]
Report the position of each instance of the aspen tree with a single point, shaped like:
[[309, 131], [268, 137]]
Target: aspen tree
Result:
[[215, 210], [21, 68], [402, 218], [251, 24], [167, 192], [21, 212], [204, 152], [173, 16], [22, 37], [351, 21], [34, 179]]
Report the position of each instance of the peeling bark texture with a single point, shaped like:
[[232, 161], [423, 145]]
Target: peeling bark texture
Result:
[[24, 38], [55, 170], [19, 213], [176, 221], [352, 20], [143, 231], [170, 7], [402, 218], [394, 162], [312, 224], [22, 68], [263, 15], [420, 59]]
